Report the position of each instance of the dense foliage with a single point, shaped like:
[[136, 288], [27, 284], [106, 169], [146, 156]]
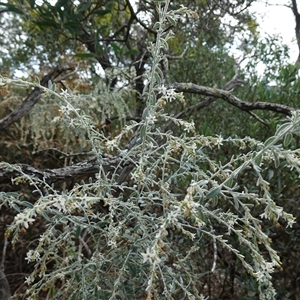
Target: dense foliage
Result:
[[142, 157]]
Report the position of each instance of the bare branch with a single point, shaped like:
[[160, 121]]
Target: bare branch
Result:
[[31, 99], [50, 176], [229, 86], [228, 97], [297, 27], [4, 286]]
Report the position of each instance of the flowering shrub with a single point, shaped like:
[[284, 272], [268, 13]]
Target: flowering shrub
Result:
[[153, 225]]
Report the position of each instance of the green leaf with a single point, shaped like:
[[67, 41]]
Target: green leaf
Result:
[[47, 23], [276, 159], [12, 8], [46, 217], [287, 139], [31, 3], [101, 12], [270, 141], [143, 131], [78, 232], [53, 291], [73, 27], [282, 127], [145, 113], [229, 182], [131, 52], [171, 20], [84, 6], [84, 55], [102, 224], [27, 204], [213, 192], [215, 201], [236, 203], [61, 3], [258, 159], [116, 48], [132, 269]]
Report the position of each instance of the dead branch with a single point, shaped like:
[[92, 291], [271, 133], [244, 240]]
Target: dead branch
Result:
[[228, 97], [89, 167], [31, 99]]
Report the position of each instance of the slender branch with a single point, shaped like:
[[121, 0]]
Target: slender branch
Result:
[[133, 14], [4, 286], [297, 27], [228, 97], [3, 253], [31, 99], [89, 42]]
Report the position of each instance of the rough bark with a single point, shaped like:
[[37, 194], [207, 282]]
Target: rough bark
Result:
[[50, 176], [231, 99], [31, 99], [297, 27]]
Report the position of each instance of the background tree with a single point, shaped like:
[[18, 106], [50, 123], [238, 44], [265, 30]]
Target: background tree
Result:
[[116, 186]]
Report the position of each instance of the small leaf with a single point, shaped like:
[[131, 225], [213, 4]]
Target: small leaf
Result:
[[269, 141], [143, 131], [131, 52], [276, 159], [258, 159], [282, 127], [116, 48], [215, 201], [73, 27], [32, 3], [47, 23], [102, 224], [213, 192], [145, 113], [46, 217], [12, 8], [171, 20], [101, 12], [287, 139], [84, 6], [84, 55], [78, 232], [27, 204], [236, 203], [229, 182]]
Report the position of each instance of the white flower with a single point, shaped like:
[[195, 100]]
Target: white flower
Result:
[[219, 141], [172, 217], [163, 90], [33, 255], [151, 119], [111, 144], [59, 203], [189, 126], [151, 255], [29, 280], [171, 95], [23, 220]]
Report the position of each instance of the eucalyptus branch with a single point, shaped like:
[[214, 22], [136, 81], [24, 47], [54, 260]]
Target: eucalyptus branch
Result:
[[231, 99], [31, 99], [9, 172]]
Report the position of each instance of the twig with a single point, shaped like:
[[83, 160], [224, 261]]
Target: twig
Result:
[[3, 254], [215, 254], [84, 244]]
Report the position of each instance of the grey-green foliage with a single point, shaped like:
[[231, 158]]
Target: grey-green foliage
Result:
[[145, 238]]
